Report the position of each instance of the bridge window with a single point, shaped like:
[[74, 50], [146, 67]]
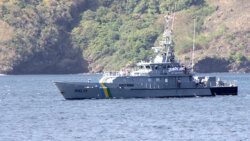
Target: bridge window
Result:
[[157, 79], [166, 80], [149, 79]]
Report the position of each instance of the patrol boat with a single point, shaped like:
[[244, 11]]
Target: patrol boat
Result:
[[158, 78]]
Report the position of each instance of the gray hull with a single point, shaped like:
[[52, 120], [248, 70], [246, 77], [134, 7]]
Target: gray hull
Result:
[[99, 91], [160, 77]]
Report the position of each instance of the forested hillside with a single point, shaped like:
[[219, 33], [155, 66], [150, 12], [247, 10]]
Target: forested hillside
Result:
[[73, 36]]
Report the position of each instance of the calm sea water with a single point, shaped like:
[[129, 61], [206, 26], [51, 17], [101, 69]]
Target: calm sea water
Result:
[[31, 109]]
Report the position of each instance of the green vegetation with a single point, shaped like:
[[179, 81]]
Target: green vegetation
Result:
[[185, 42], [56, 36], [53, 36], [237, 57], [41, 39], [116, 35], [205, 39]]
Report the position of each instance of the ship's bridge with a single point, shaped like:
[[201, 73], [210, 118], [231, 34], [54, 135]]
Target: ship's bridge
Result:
[[152, 69]]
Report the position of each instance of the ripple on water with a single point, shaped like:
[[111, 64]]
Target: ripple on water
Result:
[[32, 109]]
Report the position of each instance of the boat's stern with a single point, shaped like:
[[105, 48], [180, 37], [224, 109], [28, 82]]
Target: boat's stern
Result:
[[231, 90], [217, 86]]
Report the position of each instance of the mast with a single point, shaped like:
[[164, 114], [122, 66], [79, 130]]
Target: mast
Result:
[[168, 33], [165, 52]]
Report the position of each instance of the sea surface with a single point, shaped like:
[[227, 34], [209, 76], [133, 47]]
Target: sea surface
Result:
[[32, 109]]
